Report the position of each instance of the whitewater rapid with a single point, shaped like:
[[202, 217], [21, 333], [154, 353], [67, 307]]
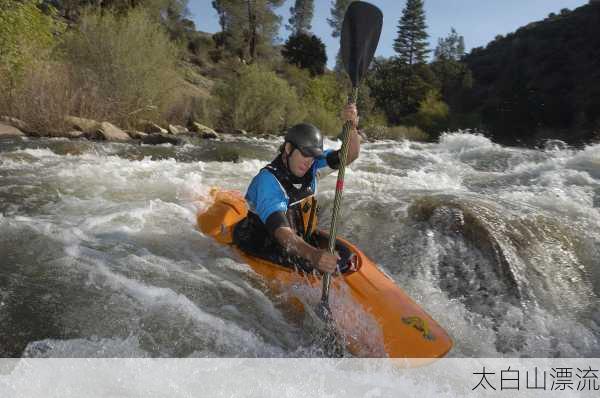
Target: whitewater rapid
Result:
[[101, 256]]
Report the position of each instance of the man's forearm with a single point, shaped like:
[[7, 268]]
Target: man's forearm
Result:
[[294, 244]]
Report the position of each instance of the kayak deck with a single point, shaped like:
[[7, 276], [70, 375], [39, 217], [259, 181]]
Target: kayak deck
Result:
[[407, 330]]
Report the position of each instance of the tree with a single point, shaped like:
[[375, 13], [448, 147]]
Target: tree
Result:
[[411, 43], [26, 35], [250, 26], [450, 48], [399, 89], [168, 12], [306, 51], [338, 10], [450, 72], [301, 16], [219, 6]]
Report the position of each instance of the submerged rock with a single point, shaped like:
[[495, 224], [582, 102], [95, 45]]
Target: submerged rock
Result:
[[555, 145], [227, 155], [479, 225], [158, 139], [210, 135]]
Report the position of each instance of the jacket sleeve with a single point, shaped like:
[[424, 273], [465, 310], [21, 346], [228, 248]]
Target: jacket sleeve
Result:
[[266, 196]]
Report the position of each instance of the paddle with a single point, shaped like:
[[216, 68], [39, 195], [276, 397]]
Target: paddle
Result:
[[360, 34]]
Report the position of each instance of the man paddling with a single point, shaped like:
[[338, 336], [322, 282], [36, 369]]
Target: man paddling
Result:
[[281, 199]]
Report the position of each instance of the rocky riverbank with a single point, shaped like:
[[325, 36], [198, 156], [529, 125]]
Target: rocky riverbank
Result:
[[144, 131]]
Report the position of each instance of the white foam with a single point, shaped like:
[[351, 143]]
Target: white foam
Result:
[[463, 141]]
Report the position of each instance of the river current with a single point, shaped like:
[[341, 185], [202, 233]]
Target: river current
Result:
[[100, 255]]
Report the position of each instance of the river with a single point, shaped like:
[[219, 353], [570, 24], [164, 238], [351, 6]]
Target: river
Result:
[[100, 255]]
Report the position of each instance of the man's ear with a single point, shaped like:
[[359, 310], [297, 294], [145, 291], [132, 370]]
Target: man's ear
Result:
[[288, 148]]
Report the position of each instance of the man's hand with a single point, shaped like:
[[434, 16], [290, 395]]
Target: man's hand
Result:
[[350, 113], [324, 261], [293, 244]]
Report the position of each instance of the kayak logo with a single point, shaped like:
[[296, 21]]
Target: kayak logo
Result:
[[419, 324]]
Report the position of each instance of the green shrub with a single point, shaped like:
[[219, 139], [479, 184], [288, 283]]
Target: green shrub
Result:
[[329, 123], [130, 57], [326, 92], [296, 77], [258, 101], [433, 112], [324, 98], [26, 34]]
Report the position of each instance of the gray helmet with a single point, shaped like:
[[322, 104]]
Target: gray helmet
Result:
[[306, 138]]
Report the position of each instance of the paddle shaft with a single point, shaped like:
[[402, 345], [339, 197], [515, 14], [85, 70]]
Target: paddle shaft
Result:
[[337, 201]]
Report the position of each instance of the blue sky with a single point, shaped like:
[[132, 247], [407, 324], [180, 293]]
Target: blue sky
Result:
[[479, 21]]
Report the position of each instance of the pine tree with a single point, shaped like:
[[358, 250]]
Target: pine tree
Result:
[[411, 43], [301, 16], [221, 8], [306, 51], [450, 48], [338, 9], [250, 26], [452, 74]]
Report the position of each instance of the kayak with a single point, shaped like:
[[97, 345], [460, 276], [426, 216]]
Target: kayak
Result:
[[406, 330]]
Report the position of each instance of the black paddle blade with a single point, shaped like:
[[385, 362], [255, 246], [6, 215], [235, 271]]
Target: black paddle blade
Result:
[[360, 35]]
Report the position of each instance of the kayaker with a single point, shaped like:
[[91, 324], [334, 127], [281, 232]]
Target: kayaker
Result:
[[281, 199]]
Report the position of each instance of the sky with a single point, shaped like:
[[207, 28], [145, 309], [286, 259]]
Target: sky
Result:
[[479, 21]]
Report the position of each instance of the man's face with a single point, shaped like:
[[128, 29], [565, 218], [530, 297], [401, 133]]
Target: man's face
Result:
[[298, 163]]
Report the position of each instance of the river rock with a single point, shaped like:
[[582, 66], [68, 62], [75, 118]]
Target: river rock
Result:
[[9, 131], [74, 134], [239, 132], [200, 128], [210, 135], [151, 128], [17, 123], [108, 132], [88, 126], [176, 129], [136, 135], [157, 139]]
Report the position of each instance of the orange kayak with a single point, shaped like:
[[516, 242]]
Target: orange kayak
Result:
[[405, 329]]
